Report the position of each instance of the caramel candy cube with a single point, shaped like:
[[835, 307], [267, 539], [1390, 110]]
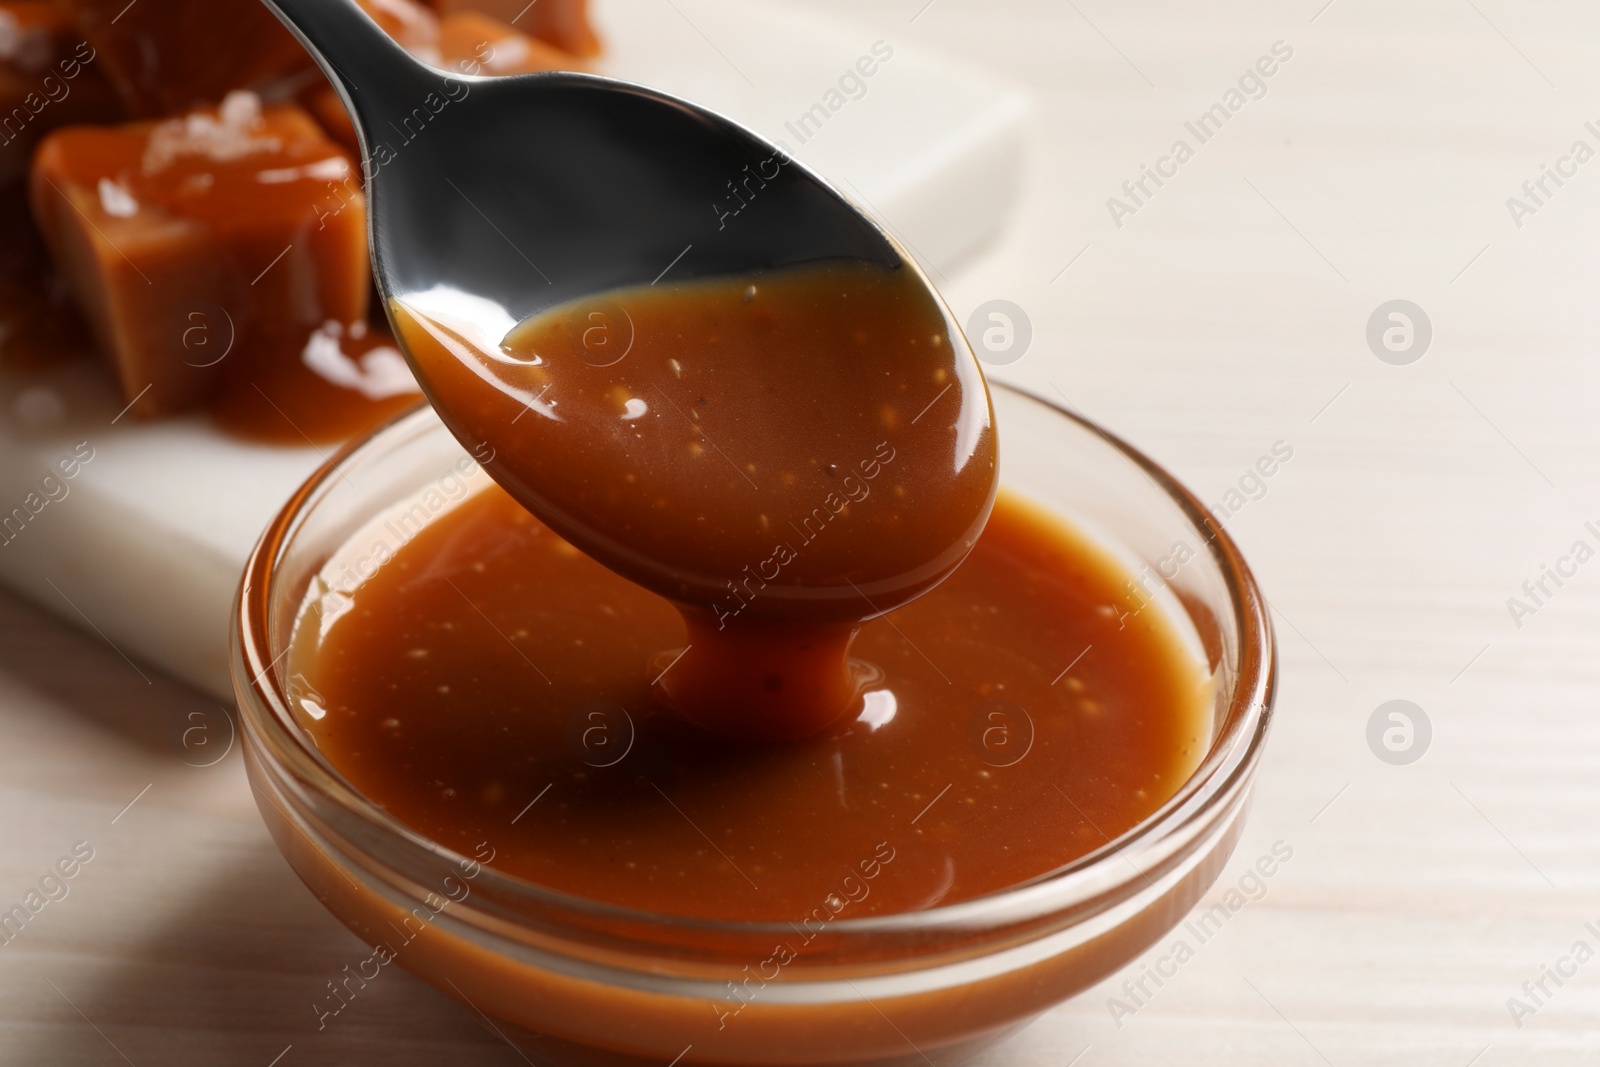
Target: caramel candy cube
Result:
[[48, 78], [563, 23], [325, 105], [166, 56], [413, 26], [201, 246], [476, 43]]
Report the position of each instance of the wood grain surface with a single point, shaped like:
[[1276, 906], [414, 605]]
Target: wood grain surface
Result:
[[1226, 313]]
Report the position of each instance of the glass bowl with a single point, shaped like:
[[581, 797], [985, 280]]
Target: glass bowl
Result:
[[577, 983]]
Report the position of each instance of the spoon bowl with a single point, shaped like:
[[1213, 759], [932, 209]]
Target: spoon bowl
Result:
[[533, 190]]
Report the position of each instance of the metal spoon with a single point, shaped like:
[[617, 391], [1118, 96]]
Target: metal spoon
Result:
[[533, 190], [492, 199]]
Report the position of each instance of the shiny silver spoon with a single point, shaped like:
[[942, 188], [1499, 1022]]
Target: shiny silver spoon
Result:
[[493, 199], [534, 190]]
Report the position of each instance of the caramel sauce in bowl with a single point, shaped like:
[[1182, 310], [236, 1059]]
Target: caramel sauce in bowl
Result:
[[581, 982], [783, 454]]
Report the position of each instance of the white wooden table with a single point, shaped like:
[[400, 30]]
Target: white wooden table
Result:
[[1227, 313]]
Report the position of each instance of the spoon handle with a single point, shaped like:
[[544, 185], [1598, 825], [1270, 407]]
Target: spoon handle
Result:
[[375, 75]]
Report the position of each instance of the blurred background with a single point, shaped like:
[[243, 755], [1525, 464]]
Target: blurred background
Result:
[[1365, 273]]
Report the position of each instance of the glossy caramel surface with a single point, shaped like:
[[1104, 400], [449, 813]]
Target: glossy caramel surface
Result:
[[488, 682], [782, 454], [804, 444]]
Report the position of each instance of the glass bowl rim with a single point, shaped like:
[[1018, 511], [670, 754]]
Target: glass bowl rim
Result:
[[1232, 757]]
